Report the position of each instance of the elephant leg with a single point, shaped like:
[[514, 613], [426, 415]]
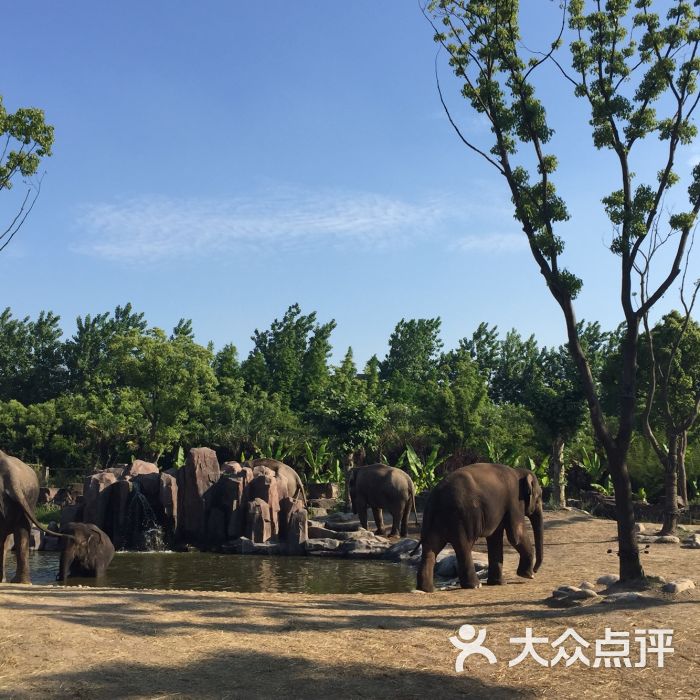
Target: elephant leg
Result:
[[22, 554], [465, 564], [517, 536], [378, 520], [404, 519], [362, 514], [494, 543], [3, 542], [431, 548], [396, 516]]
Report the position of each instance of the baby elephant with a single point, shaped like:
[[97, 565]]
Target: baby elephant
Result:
[[87, 551], [380, 486]]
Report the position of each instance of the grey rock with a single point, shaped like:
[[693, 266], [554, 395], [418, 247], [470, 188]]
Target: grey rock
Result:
[[624, 597], [692, 542], [322, 544], [447, 567], [587, 585], [364, 549], [683, 584], [607, 579], [317, 512], [401, 550], [342, 517], [658, 539]]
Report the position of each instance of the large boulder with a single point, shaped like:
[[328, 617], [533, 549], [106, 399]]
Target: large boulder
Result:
[[139, 467], [289, 506], [196, 480], [264, 486], [116, 516], [232, 500], [297, 531], [258, 521], [96, 494], [167, 497]]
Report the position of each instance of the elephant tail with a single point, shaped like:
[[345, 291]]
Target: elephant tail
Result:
[[300, 489], [415, 510], [19, 497]]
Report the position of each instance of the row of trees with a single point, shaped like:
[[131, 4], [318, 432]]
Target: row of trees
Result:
[[118, 389]]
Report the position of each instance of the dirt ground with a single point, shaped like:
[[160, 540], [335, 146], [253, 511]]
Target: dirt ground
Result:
[[106, 643]]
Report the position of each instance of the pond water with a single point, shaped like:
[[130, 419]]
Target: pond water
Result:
[[234, 572]]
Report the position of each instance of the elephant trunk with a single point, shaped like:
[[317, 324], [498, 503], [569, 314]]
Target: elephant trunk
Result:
[[536, 519]]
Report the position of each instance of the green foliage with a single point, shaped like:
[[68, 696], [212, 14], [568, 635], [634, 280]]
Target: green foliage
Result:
[[47, 512], [423, 473], [26, 139], [540, 470]]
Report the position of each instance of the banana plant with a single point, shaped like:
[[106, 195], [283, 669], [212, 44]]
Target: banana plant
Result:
[[498, 456], [424, 474], [316, 460], [540, 469]]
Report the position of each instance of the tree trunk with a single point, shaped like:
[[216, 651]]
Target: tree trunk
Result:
[[671, 513], [680, 468], [557, 474], [630, 563]]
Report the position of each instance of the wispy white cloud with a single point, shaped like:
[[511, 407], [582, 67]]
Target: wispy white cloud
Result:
[[492, 243], [160, 227], [150, 229]]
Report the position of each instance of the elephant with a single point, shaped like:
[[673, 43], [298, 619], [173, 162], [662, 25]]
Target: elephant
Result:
[[295, 489], [381, 486], [88, 553], [19, 491], [482, 500]]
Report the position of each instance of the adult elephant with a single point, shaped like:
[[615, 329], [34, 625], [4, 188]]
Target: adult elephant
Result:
[[295, 489], [88, 552], [482, 500], [380, 486], [19, 491]]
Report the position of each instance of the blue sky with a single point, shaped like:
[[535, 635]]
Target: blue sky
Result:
[[222, 160]]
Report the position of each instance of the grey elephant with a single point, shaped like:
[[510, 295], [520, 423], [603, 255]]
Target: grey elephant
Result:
[[19, 491], [87, 552], [295, 489], [379, 487], [482, 500]]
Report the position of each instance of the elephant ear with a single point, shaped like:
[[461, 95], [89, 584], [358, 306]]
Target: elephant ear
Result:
[[528, 490]]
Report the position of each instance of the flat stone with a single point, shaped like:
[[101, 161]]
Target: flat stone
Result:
[[607, 579], [317, 512], [327, 503], [363, 549], [242, 545], [400, 550], [447, 567], [342, 517], [692, 542], [624, 597], [587, 585], [322, 544], [658, 539], [683, 584]]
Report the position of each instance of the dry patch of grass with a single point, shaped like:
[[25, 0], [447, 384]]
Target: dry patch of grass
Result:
[[101, 643]]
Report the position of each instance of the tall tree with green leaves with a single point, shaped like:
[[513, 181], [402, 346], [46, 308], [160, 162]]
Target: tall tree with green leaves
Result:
[[671, 361], [25, 138], [636, 88], [290, 359]]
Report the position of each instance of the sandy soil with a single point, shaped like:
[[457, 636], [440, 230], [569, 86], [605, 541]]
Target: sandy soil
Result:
[[102, 643]]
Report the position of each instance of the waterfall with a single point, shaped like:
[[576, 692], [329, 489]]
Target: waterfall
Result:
[[144, 532]]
